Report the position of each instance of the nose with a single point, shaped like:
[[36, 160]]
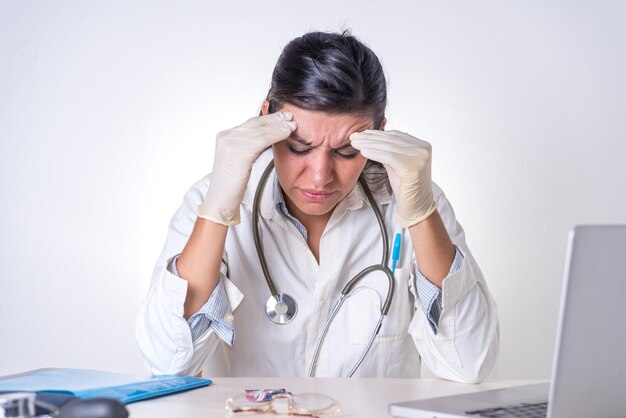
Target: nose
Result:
[[321, 169]]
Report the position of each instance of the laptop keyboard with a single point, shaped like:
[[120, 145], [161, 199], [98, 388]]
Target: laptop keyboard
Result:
[[525, 410]]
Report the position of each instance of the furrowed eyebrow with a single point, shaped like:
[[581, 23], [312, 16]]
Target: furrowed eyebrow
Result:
[[299, 139], [295, 137]]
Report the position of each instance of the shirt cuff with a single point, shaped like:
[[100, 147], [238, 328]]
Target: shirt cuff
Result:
[[215, 313], [430, 295]]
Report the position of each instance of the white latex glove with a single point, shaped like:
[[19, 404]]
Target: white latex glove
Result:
[[236, 150], [407, 160]]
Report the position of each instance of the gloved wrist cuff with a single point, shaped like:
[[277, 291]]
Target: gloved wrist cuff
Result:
[[407, 223], [228, 217]]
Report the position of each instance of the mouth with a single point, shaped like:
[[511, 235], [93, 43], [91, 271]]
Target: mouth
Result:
[[315, 195]]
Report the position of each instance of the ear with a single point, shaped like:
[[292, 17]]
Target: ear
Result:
[[265, 107], [383, 124]]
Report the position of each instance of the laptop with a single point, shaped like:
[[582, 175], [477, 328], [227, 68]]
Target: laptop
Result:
[[589, 371]]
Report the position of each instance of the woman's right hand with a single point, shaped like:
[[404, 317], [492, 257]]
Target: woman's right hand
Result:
[[236, 150]]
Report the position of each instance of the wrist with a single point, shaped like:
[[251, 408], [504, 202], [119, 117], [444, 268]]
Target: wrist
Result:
[[222, 201], [416, 214]]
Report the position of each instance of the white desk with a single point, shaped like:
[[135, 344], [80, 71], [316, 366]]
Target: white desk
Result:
[[363, 398]]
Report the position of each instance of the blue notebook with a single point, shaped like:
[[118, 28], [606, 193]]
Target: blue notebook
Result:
[[94, 384]]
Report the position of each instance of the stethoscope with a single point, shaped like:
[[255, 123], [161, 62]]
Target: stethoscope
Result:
[[282, 308], [58, 405]]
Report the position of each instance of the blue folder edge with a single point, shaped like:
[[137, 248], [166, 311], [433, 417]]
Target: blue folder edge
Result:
[[86, 384]]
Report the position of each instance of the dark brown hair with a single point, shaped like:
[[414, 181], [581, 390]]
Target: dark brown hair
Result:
[[330, 72]]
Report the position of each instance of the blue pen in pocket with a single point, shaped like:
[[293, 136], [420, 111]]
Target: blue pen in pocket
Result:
[[395, 255]]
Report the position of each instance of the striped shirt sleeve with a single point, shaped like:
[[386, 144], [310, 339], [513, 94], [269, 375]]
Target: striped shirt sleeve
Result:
[[430, 295], [215, 313]]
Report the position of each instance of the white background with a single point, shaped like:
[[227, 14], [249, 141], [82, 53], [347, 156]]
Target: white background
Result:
[[109, 110]]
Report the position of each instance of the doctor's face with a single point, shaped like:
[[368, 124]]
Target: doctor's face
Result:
[[316, 166]]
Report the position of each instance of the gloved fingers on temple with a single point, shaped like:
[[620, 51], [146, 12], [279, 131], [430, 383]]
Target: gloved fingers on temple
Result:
[[374, 135], [385, 146], [382, 157], [394, 137], [271, 119], [270, 135]]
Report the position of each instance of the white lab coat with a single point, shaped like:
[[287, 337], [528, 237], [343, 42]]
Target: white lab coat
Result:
[[464, 348]]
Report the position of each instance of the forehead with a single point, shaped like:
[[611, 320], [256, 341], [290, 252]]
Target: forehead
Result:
[[332, 129]]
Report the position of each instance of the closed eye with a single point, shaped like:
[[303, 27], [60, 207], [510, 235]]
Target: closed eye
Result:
[[339, 154], [345, 154], [299, 151]]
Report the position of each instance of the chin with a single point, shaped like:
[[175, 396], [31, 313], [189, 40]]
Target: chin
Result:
[[315, 209]]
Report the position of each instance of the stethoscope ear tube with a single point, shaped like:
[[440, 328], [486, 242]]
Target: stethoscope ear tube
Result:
[[379, 218], [369, 345], [281, 308], [384, 310], [255, 228], [320, 340], [385, 259], [353, 282]]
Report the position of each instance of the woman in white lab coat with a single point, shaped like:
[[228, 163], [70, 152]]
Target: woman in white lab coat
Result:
[[323, 125]]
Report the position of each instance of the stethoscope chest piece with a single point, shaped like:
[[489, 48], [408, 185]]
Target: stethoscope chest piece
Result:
[[281, 309]]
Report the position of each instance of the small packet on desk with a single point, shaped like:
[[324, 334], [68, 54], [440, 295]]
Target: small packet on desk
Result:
[[263, 395]]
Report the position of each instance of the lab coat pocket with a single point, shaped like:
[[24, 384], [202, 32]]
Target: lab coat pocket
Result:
[[365, 304]]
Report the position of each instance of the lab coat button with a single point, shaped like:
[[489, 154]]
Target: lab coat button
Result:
[[229, 317]]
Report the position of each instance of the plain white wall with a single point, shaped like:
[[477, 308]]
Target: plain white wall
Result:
[[108, 112]]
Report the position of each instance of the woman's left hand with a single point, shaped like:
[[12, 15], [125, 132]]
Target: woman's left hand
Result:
[[407, 160]]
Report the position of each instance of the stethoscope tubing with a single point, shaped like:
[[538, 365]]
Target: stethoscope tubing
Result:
[[255, 228], [347, 288]]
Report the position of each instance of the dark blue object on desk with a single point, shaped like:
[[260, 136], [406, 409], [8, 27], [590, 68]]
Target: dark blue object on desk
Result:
[[61, 406]]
